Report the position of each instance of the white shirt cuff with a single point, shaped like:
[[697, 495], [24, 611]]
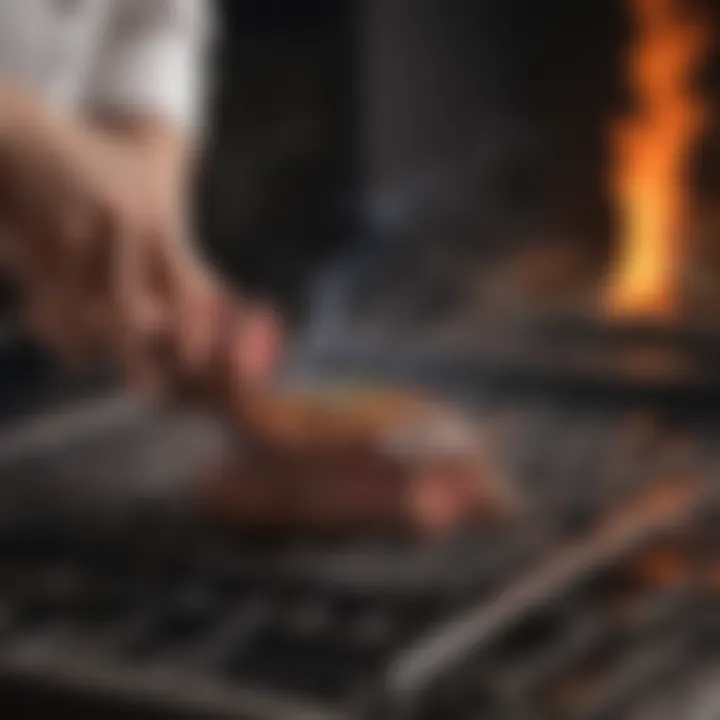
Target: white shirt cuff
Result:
[[157, 71]]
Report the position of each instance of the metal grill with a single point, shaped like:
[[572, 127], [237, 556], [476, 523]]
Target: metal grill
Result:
[[598, 602]]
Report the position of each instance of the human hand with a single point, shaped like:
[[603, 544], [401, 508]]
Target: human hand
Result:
[[98, 243]]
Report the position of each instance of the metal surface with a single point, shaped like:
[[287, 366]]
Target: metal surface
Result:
[[108, 590]]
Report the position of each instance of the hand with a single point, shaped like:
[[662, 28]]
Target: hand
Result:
[[98, 243]]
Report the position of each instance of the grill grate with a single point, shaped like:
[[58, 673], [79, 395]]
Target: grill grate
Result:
[[598, 603]]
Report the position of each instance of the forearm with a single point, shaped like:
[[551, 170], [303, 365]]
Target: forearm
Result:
[[30, 132], [163, 151], [18, 106], [22, 115]]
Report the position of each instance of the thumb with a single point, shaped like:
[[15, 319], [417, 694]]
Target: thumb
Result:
[[255, 346]]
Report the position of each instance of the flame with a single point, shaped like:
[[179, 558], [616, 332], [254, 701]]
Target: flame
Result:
[[649, 160]]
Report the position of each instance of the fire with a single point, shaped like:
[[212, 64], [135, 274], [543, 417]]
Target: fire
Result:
[[650, 154]]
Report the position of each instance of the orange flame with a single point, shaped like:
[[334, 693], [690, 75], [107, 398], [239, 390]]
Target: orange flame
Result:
[[650, 154]]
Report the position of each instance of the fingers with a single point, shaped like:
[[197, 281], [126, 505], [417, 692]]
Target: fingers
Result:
[[55, 276], [171, 305], [77, 263], [138, 316], [46, 307], [139, 291], [257, 346], [194, 298], [213, 331]]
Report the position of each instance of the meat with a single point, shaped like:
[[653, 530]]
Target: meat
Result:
[[389, 461], [340, 461]]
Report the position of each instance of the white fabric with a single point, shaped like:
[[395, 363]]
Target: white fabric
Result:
[[134, 56]]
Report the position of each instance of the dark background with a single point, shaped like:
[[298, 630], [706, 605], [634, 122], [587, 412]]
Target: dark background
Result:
[[454, 122], [336, 120], [280, 185]]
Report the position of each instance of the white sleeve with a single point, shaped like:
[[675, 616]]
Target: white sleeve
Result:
[[153, 60]]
